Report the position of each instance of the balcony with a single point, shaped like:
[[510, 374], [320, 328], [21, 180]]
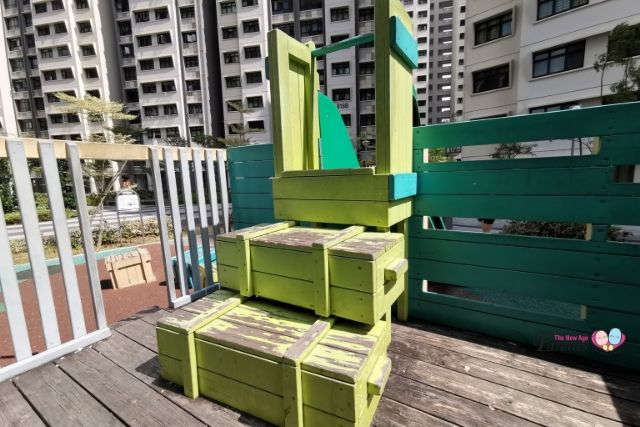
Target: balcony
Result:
[[196, 119], [130, 84], [365, 27], [281, 18], [311, 14]]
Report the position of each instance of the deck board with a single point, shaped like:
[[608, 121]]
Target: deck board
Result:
[[440, 377]]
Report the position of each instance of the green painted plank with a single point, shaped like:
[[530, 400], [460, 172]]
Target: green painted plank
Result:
[[605, 120], [483, 318], [250, 185], [541, 182], [581, 209], [252, 201], [403, 42], [547, 286], [566, 263], [577, 245], [253, 216], [402, 185], [250, 152], [252, 169], [336, 149], [344, 44]]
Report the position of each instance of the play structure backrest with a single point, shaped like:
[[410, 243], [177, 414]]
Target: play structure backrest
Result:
[[303, 117]]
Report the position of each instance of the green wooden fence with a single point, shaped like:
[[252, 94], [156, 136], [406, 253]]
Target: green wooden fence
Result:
[[522, 288]]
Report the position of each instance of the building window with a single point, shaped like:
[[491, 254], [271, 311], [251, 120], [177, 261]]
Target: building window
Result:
[[172, 132], [151, 111], [252, 26], [494, 28], [231, 57], [94, 92], [46, 52], [249, 3], [187, 12], [190, 61], [40, 7], [84, 27], [35, 83], [555, 107], [154, 134], [66, 73], [367, 120], [196, 131], [129, 73], [59, 28], [252, 52], [189, 37], [163, 38], [88, 50], [144, 41], [310, 4], [559, 59], [321, 77], [548, 8], [192, 85], [194, 108], [254, 102], [230, 32], [57, 5], [161, 13], [366, 14], [311, 27], [339, 38], [343, 94], [281, 6], [149, 88], [367, 68], [43, 30], [340, 69], [63, 51], [168, 86], [82, 4], [234, 105], [253, 77], [491, 78], [91, 73], [141, 16], [170, 110], [340, 14], [232, 81], [227, 7], [165, 62], [17, 65], [368, 94], [124, 28], [255, 125], [146, 64], [126, 50], [346, 118], [48, 75], [131, 95], [56, 118]]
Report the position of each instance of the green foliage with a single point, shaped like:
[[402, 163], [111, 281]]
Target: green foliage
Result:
[[7, 195], [44, 214], [96, 110], [207, 141], [624, 44], [511, 151], [565, 230]]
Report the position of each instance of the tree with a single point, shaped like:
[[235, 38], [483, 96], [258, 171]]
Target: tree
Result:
[[113, 120], [511, 151], [239, 132], [623, 45], [207, 141]]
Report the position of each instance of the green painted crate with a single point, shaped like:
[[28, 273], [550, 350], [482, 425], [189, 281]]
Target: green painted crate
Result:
[[278, 363], [348, 273]]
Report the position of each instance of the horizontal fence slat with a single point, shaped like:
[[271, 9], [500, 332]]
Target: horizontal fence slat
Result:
[[11, 297], [251, 185], [567, 263], [595, 121], [551, 182], [75, 167], [63, 241], [548, 286], [252, 201], [252, 169], [253, 216], [251, 152], [30, 224], [581, 209]]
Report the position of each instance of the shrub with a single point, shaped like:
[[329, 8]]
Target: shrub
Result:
[[566, 230]]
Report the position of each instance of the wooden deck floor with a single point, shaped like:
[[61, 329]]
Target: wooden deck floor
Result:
[[440, 377]]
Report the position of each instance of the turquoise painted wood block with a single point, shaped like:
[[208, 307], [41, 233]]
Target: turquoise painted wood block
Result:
[[403, 42], [336, 150], [402, 185]]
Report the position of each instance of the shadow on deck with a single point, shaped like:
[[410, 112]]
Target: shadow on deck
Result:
[[441, 376]]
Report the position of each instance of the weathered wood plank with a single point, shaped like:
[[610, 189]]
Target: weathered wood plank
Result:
[[520, 404], [497, 351], [60, 401], [142, 363], [447, 406], [399, 414], [123, 394], [141, 332], [566, 394], [15, 411]]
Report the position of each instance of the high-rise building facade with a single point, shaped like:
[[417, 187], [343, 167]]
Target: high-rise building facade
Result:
[[526, 57]]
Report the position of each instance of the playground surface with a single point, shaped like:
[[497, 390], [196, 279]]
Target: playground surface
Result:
[[440, 376]]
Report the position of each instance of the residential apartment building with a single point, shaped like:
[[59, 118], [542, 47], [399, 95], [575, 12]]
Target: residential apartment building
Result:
[[346, 76], [149, 55], [526, 57]]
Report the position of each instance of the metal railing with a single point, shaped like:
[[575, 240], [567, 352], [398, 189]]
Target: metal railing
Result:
[[162, 161]]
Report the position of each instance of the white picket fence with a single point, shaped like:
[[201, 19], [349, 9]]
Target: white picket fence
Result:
[[162, 160]]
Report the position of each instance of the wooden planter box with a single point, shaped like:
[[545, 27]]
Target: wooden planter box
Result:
[[347, 273], [278, 363]]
